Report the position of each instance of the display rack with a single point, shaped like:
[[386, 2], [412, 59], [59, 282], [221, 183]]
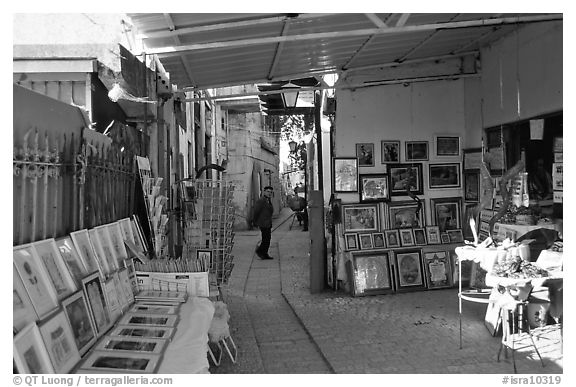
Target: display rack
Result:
[[208, 221]]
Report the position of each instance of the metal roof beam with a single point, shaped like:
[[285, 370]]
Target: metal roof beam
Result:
[[176, 39], [278, 51], [380, 24], [402, 20]]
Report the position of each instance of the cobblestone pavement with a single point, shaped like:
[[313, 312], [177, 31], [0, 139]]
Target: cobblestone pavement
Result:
[[279, 327]]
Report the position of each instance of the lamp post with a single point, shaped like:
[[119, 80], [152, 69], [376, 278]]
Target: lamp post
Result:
[[290, 95]]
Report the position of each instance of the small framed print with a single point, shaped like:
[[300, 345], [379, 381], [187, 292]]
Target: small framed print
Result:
[[392, 238], [351, 240], [360, 217], [204, 256], [390, 152], [148, 319], [409, 270], [59, 341], [71, 258], [49, 255], [404, 176], [416, 150], [113, 295], [124, 362], [23, 310], [374, 188], [81, 239], [455, 236], [447, 213], [142, 331], [366, 242], [132, 344], [29, 351], [419, 236], [433, 235], [126, 229], [379, 240], [365, 154], [94, 292], [444, 237], [444, 175], [117, 239], [406, 214], [154, 309], [438, 269], [447, 145], [471, 186], [406, 237], [345, 174], [103, 248], [78, 315], [372, 273]]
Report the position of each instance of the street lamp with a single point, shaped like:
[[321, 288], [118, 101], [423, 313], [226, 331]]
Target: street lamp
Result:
[[292, 144], [290, 95]]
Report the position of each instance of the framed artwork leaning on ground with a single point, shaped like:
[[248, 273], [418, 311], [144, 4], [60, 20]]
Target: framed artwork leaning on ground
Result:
[[132, 344], [71, 258], [142, 331], [372, 273], [409, 270], [49, 255], [81, 239], [94, 292], [59, 341], [121, 361], [22, 311], [438, 269], [76, 311], [29, 351]]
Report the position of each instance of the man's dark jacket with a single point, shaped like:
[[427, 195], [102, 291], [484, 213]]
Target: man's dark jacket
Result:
[[263, 211]]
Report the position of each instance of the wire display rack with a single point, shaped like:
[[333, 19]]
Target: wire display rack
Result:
[[208, 221]]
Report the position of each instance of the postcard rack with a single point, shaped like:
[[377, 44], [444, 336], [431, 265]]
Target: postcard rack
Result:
[[208, 221]]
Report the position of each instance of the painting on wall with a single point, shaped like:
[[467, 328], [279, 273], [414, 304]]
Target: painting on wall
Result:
[[444, 175], [374, 187], [416, 150], [365, 154], [404, 176], [406, 214], [359, 217], [446, 213], [447, 146], [390, 152], [345, 174]]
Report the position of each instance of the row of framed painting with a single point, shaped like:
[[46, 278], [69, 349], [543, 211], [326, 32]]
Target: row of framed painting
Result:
[[389, 271], [404, 237]]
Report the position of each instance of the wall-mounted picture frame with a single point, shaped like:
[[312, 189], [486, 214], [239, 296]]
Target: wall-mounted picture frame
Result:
[[419, 236], [444, 237], [390, 151], [96, 300], [351, 241], [124, 362], [142, 331], [131, 344], [366, 242], [438, 269], [403, 176], [78, 315], [433, 235], [379, 240], [406, 214], [365, 154], [447, 213], [374, 188], [59, 342], [81, 239], [392, 238], [472, 159], [445, 175], [447, 145], [471, 186], [71, 258], [35, 279], [372, 273], [406, 237], [416, 151], [409, 270], [360, 217], [345, 174], [455, 236], [29, 351], [148, 319], [49, 254], [23, 311]]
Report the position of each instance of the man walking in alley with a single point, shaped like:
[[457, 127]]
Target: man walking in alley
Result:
[[262, 218]]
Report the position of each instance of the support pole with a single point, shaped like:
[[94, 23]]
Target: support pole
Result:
[[317, 242]]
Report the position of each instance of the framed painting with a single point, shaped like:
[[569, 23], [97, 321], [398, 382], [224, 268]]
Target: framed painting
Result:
[[446, 213], [438, 270], [372, 273], [416, 150], [83, 330], [148, 319], [379, 240], [345, 174], [83, 244], [365, 154], [138, 245], [126, 285], [390, 152], [94, 292], [22, 309], [444, 175], [36, 281], [392, 238], [59, 341], [124, 362], [360, 217], [132, 344], [433, 235], [103, 249], [409, 270], [71, 258], [49, 254], [112, 294], [406, 237], [406, 214], [420, 236], [351, 240], [472, 159], [471, 186], [154, 309], [447, 145], [29, 351], [444, 237], [374, 188], [204, 257], [455, 236], [126, 229], [142, 331], [366, 242], [117, 239], [403, 176]]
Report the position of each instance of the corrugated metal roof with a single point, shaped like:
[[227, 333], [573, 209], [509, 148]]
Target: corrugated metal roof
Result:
[[212, 50]]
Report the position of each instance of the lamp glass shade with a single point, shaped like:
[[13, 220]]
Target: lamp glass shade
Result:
[[290, 95], [292, 144]]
